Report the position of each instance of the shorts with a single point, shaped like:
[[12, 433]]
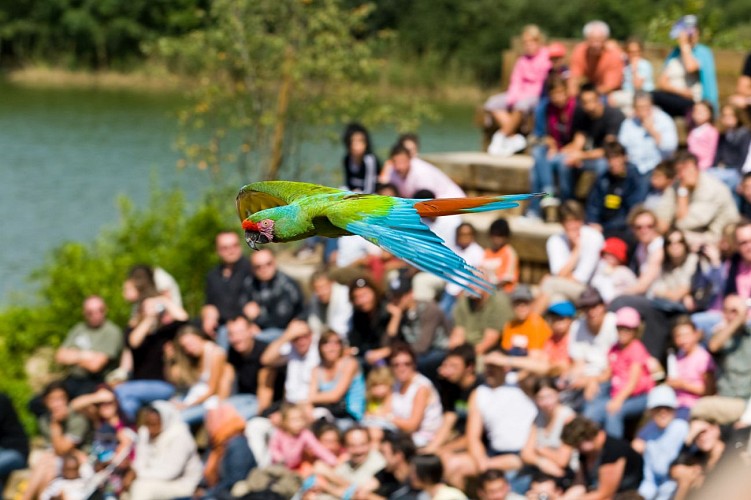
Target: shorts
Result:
[[498, 102]]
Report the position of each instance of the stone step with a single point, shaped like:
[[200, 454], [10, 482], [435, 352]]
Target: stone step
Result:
[[479, 173]]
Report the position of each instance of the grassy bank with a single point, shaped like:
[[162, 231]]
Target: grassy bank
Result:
[[151, 79]]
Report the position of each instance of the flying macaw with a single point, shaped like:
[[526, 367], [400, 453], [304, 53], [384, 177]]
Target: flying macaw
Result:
[[281, 211]]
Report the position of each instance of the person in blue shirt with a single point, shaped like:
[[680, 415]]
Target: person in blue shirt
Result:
[[660, 441]]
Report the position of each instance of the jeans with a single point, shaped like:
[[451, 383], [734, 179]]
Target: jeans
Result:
[[596, 410], [706, 321], [136, 393], [542, 176], [245, 404], [10, 460]]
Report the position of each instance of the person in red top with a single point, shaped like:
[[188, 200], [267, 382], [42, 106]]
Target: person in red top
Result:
[[596, 60], [527, 331], [629, 374]]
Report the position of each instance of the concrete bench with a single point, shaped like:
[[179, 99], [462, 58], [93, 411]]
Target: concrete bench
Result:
[[481, 173]]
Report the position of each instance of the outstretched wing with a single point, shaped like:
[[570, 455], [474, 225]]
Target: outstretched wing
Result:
[[259, 196], [398, 229]]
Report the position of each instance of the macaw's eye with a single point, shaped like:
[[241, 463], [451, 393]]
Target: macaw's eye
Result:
[[264, 223]]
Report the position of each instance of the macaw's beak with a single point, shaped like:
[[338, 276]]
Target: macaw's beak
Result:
[[251, 238]]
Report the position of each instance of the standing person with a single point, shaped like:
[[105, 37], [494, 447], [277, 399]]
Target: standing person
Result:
[[689, 74], [274, 298], [361, 165], [14, 444], [226, 285], [523, 93], [596, 60]]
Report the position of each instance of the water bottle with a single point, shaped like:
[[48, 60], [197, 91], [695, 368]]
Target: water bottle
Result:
[[672, 364]]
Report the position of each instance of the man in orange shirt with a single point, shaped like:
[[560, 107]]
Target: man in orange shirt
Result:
[[596, 60], [527, 331], [501, 262]]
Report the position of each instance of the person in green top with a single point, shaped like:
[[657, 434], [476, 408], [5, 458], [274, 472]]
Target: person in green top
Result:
[[480, 321]]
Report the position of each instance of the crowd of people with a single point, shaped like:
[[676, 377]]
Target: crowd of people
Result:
[[625, 373]]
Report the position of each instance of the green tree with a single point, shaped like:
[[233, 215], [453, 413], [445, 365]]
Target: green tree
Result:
[[268, 72]]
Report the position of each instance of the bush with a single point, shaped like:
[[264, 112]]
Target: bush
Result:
[[170, 233]]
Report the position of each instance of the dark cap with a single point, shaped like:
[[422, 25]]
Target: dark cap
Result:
[[589, 298], [522, 293], [400, 284]]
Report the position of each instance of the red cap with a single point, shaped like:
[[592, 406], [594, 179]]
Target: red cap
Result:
[[616, 247], [556, 49]]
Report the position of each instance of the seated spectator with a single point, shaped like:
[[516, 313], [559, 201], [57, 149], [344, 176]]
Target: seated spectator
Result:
[[163, 281], [732, 157], [615, 193], [545, 486], [703, 137], [370, 318], [702, 450], [591, 337], [166, 463], [609, 465], [361, 165], [298, 351], [671, 291], [742, 96], [420, 323], [427, 476], [479, 321], [411, 174], [292, 438], [526, 331], [573, 256], [70, 484], [553, 127], [731, 343], [393, 481], [443, 227], [254, 382], [379, 390], [662, 177], [500, 415], [694, 375], [660, 441], [637, 77], [596, 60], [337, 385], [501, 262], [744, 188], [90, 350], [649, 253], [689, 72], [415, 403], [330, 307], [329, 436], [65, 432], [649, 136], [544, 450], [457, 378], [156, 324], [523, 93], [411, 142], [493, 485], [558, 66], [612, 277], [198, 366], [225, 286], [275, 299], [230, 459], [700, 205], [14, 444], [629, 375]]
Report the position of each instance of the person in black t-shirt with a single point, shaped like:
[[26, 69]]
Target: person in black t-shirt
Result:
[[594, 123], [742, 96], [457, 379], [255, 382], [608, 465], [392, 482], [14, 444]]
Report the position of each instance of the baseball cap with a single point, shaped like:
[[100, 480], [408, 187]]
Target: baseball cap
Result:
[[590, 297], [399, 284], [522, 293], [662, 396], [627, 317], [556, 49], [616, 247], [564, 309], [685, 23]]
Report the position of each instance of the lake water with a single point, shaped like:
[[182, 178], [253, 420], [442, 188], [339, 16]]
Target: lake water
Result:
[[66, 155]]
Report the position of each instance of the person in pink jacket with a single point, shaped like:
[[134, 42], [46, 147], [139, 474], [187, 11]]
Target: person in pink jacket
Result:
[[525, 87], [704, 136], [292, 439]]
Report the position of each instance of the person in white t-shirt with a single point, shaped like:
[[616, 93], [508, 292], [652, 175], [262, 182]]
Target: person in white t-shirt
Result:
[[297, 348]]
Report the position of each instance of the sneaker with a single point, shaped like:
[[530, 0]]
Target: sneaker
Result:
[[516, 143], [499, 145]]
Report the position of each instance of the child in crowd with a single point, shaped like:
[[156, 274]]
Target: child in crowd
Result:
[[663, 176], [70, 485], [693, 374], [660, 441], [329, 436], [703, 138], [612, 277], [292, 438], [501, 262], [378, 390]]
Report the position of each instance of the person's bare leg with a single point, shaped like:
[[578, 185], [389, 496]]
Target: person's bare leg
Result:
[[512, 122], [458, 467], [42, 474]]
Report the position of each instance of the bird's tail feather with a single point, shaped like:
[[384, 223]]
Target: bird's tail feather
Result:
[[456, 206]]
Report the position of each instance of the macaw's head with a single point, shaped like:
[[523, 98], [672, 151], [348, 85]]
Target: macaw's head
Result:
[[258, 232]]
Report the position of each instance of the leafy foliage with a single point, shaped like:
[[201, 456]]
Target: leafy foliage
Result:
[[169, 232]]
